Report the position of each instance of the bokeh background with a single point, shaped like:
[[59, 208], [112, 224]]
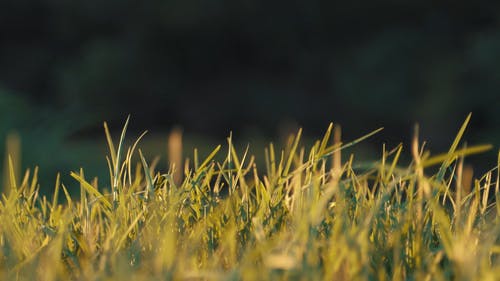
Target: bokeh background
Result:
[[258, 68]]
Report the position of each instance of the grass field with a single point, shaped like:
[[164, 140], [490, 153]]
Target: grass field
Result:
[[304, 215]]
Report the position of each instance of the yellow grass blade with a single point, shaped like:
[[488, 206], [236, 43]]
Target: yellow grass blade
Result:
[[442, 158], [90, 189], [149, 179], [209, 158]]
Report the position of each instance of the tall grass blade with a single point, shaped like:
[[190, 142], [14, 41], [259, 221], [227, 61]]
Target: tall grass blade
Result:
[[91, 190], [291, 153], [442, 158], [209, 158], [453, 147], [332, 149], [149, 180]]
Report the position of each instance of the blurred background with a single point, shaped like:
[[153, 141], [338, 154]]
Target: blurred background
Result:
[[258, 68]]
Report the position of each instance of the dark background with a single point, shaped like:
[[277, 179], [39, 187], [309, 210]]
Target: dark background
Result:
[[254, 67]]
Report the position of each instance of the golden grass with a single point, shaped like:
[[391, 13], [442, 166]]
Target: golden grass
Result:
[[309, 216]]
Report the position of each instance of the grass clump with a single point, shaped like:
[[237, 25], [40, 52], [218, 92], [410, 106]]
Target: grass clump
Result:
[[308, 216]]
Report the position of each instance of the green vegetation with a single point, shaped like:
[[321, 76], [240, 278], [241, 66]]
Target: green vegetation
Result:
[[306, 215]]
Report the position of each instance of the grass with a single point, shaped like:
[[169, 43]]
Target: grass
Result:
[[306, 215]]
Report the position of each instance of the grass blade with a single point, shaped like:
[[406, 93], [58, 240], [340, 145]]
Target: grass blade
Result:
[[149, 179], [90, 189]]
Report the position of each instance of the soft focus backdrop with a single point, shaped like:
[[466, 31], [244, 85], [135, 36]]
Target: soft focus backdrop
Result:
[[258, 68]]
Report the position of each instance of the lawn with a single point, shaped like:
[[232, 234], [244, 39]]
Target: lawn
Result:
[[299, 214]]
